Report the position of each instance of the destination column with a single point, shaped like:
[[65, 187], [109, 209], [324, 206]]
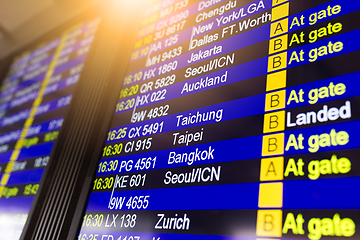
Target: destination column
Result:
[[269, 220]]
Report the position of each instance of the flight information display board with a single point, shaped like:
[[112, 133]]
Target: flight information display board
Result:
[[35, 96], [237, 120]]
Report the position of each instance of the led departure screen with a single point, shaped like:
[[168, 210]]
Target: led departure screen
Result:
[[35, 97], [237, 120]]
